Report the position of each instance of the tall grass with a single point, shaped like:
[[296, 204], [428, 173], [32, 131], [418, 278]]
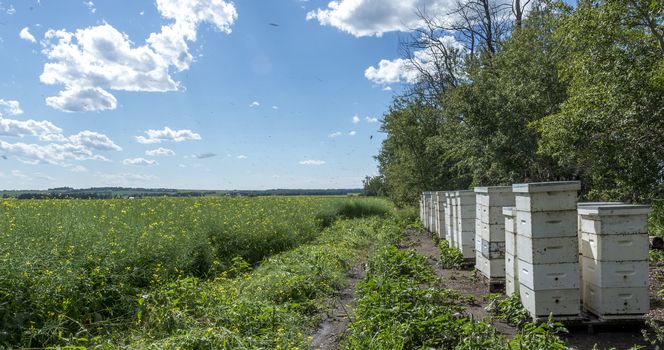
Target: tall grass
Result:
[[351, 208], [72, 268]]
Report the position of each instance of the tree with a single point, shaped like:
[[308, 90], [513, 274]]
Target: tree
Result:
[[611, 126]]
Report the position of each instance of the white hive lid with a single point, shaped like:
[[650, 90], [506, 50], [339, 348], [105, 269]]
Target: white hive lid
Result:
[[556, 186], [509, 211], [615, 209], [493, 189], [592, 204]]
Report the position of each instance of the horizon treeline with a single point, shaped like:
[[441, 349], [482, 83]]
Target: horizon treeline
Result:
[[531, 92]]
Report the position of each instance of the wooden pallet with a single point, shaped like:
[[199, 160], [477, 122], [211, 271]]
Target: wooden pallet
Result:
[[591, 321]]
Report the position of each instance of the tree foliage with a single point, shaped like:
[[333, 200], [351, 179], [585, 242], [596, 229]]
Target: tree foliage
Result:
[[559, 93]]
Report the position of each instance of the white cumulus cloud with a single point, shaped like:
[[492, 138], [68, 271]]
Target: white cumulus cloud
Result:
[[371, 120], [25, 35], [254, 104], [167, 134], [334, 134], [160, 152], [352, 133], [376, 17], [10, 107], [403, 70], [140, 162], [356, 119], [93, 61], [312, 162]]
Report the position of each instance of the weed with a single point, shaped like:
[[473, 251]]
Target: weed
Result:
[[450, 257]]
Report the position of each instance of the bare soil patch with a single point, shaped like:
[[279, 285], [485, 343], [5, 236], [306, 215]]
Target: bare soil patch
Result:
[[333, 327]]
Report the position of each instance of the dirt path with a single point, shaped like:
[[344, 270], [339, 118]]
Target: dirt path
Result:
[[466, 282], [333, 327]]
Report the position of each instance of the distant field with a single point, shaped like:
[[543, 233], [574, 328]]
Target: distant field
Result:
[[78, 268]]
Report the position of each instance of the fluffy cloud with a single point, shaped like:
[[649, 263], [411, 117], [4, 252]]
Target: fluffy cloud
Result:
[[140, 162], [53, 153], [356, 119], [59, 151], [94, 140], [10, 107], [375, 17], [45, 130], [160, 152], [92, 61], [334, 134], [167, 134], [312, 162], [371, 120], [25, 35], [402, 70], [352, 133], [254, 104], [242, 156]]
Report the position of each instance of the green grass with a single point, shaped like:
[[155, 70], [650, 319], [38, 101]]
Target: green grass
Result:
[[352, 208], [79, 268]]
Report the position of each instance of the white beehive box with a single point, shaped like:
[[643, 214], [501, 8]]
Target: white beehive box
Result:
[[493, 268], [511, 284], [552, 250], [632, 247], [549, 276], [492, 233], [614, 219], [479, 260], [495, 196], [510, 243], [454, 216], [615, 301], [493, 250], [511, 265], [546, 196], [547, 224], [558, 302], [615, 274], [490, 215], [449, 227], [468, 251]]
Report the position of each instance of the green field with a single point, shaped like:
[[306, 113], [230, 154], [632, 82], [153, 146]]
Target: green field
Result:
[[83, 272]]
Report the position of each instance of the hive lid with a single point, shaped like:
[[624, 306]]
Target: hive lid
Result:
[[509, 211], [556, 186], [615, 209], [592, 204], [493, 189]]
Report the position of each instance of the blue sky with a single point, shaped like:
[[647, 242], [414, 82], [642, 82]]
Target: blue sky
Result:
[[207, 94]]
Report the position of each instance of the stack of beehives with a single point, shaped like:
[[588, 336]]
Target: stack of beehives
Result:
[[511, 261], [449, 218], [547, 248], [615, 260], [440, 214], [465, 223], [490, 230]]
